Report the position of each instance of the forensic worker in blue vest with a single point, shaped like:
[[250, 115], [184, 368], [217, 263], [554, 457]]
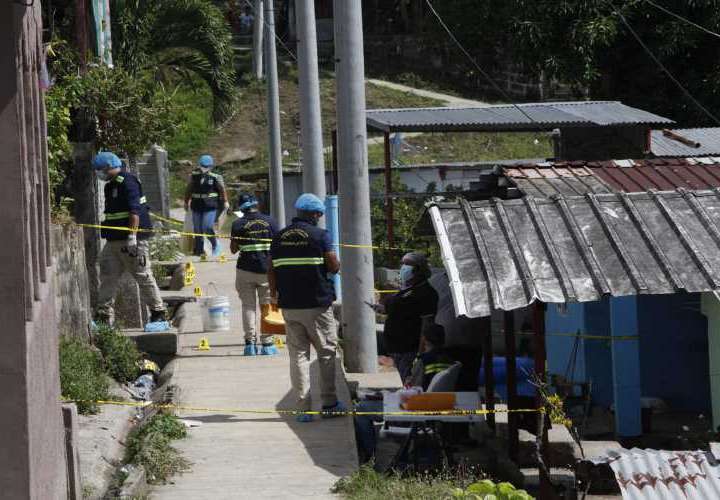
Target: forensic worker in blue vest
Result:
[[251, 236], [126, 250], [206, 197], [302, 262]]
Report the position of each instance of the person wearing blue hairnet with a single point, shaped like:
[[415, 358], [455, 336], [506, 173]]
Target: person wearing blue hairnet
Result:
[[251, 236], [302, 262], [206, 197], [126, 248]]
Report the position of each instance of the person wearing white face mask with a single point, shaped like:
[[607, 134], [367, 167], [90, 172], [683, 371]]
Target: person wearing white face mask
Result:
[[206, 197], [405, 311], [126, 249]]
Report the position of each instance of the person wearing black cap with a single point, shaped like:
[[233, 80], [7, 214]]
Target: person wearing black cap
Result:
[[405, 311]]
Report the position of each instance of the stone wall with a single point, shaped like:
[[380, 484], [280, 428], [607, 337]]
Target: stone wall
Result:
[[72, 289], [397, 54]]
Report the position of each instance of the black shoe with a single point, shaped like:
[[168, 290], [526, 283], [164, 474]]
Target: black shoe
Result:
[[156, 316]]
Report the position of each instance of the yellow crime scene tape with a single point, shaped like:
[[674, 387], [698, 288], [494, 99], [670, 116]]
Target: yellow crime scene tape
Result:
[[222, 236], [354, 413]]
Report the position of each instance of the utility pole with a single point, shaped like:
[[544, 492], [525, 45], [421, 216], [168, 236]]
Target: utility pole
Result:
[[258, 28], [309, 88], [354, 189], [277, 198]]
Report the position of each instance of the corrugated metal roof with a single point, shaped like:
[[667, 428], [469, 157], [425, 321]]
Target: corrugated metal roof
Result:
[[574, 178], [708, 138], [665, 475], [506, 117], [506, 254]]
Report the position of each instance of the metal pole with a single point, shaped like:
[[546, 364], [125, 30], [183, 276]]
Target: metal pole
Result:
[[309, 89], [258, 28], [488, 372], [389, 209], [334, 162], [277, 199], [546, 490], [354, 189], [511, 384]]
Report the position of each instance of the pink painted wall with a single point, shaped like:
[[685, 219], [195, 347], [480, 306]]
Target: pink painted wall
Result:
[[32, 455]]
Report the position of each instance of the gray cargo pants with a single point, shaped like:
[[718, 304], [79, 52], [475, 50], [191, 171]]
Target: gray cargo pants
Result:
[[316, 327], [252, 289], [113, 263]]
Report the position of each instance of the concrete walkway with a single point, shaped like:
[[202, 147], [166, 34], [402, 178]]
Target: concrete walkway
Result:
[[451, 101], [250, 456]]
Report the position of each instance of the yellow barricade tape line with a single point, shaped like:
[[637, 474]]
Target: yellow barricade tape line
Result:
[[173, 406], [166, 219], [219, 235], [582, 336]]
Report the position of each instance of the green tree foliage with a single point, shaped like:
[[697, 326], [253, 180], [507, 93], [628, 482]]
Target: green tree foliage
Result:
[[176, 37], [584, 42], [407, 215], [130, 111]]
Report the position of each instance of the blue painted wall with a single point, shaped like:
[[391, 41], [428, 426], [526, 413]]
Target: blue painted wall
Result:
[[674, 350]]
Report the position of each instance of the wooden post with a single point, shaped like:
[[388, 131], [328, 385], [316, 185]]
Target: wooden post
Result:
[[488, 372], [389, 211], [511, 383]]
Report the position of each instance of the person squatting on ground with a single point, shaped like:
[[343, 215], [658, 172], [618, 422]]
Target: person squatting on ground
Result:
[[432, 361], [405, 311], [251, 236], [302, 260], [124, 250], [205, 195]]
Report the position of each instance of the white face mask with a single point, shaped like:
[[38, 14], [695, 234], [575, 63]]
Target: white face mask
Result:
[[102, 175], [204, 170]]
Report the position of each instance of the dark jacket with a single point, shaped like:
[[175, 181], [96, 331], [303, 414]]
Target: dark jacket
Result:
[[206, 191], [254, 230], [302, 279], [404, 312], [124, 196]]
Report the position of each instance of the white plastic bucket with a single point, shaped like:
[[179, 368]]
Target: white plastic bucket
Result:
[[215, 314]]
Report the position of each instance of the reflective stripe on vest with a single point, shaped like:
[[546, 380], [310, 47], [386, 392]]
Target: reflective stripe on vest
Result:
[[208, 195], [298, 261], [436, 368], [259, 247], [117, 215], [143, 200]]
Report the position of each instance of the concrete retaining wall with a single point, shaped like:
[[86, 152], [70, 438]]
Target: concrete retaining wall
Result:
[[72, 289]]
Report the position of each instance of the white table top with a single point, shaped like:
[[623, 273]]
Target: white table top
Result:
[[463, 401]]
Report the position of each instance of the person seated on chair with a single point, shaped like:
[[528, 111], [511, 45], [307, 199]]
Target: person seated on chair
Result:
[[432, 361], [426, 366]]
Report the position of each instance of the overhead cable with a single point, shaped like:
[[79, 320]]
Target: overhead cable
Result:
[[683, 19], [282, 44], [475, 63], [662, 66]]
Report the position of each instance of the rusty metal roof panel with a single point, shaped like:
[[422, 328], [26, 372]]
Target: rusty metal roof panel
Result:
[[578, 177], [504, 117], [509, 253], [664, 475], [707, 141]]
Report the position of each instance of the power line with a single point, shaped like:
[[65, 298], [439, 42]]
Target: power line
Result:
[[661, 65], [475, 63], [282, 44], [683, 19]]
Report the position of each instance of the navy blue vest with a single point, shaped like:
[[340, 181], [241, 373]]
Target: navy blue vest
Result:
[[123, 194], [254, 231], [302, 280], [205, 191]]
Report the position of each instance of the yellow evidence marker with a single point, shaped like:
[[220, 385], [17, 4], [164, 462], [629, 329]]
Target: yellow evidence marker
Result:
[[198, 291], [203, 345]]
